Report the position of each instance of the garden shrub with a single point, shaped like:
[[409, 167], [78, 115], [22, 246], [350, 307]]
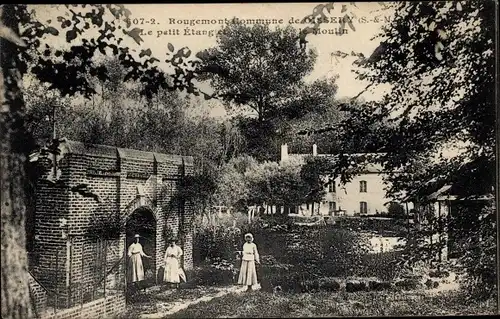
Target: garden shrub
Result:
[[218, 273], [408, 284], [431, 283], [379, 285], [221, 241], [437, 273], [329, 252], [214, 242], [356, 286], [478, 260], [329, 284], [381, 265], [385, 227], [396, 210]]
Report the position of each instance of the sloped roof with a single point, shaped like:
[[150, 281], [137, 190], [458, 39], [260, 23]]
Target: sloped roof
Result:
[[369, 167]]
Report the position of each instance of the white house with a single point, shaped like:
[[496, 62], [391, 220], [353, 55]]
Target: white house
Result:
[[363, 195]]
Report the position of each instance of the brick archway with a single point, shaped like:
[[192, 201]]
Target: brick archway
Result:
[[140, 202]]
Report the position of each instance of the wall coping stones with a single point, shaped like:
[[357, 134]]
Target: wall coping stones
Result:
[[80, 148]]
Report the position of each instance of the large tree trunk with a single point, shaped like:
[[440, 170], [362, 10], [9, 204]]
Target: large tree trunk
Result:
[[16, 301]]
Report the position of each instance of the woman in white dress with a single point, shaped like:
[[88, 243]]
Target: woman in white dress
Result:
[[250, 256], [173, 271], [135, 266]]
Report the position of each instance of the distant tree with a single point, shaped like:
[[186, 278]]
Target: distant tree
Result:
[[259, 179], [396, 210], [197, 190], [259, 73], [287, 187], [232, 189], [256, 68]]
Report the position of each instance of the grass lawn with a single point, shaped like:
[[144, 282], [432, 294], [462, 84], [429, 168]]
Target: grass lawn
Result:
[[265, 305]]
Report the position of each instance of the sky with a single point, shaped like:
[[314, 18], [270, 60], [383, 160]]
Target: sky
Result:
[[171, 23]]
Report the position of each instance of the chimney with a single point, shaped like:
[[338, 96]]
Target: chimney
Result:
[[315, 150], [284, 152]]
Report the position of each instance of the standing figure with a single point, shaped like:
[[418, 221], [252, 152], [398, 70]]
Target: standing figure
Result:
[[250, 256], [135, 266], [173, 271]]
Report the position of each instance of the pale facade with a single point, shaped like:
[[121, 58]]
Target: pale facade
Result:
[[363, 195]]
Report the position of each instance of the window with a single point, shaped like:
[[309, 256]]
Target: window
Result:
[[332, 206], [331, 187], [362, 186], [363, 208]]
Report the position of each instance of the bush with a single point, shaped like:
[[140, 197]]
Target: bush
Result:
[[355, 286], [379, 286], [479, 257], [396, 227], [328, 251], [218, 273], [215, 242], [382, 265], [287, 278], [221, 241], [408, 284], [396, 210], [329, 284]]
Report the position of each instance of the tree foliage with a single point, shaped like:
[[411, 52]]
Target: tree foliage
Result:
[[65, 69], [479, 249], [439, 116], [256, 67], [438, 57], [256, 70], [436, 125]]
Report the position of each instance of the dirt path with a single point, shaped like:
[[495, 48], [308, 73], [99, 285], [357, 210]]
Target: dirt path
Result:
[[166, 309]]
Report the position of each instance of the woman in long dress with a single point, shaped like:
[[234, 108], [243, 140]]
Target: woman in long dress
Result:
[[135, 266], [250, 256], [173, 271]]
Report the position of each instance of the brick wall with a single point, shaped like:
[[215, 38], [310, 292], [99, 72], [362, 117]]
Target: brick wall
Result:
[[114, 175], [100, 308], [51, 205], [38, 293]]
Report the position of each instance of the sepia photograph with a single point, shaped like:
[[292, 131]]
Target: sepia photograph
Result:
[[249, 160]]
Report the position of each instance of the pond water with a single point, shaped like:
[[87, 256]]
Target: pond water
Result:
[[384, 244]]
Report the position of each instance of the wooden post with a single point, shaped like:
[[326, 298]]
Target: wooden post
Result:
[[105, 265], [440, 230], [407, 220], [57, 281], [81, 277], [125, 266], [428, 211], [70, 268]]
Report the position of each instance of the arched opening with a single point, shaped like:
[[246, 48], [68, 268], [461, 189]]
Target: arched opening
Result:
[[142, 222]]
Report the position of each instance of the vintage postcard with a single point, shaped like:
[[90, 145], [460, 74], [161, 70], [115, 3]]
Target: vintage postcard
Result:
[[203, 160]]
